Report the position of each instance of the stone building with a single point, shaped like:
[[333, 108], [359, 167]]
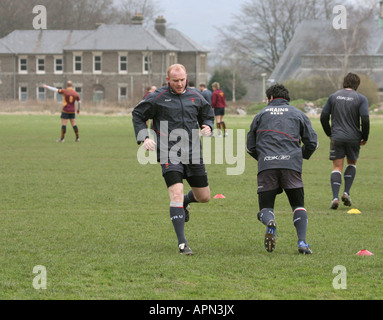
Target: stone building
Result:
[[113, 63]]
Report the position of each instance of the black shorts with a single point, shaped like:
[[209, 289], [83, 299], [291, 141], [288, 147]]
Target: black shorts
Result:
[[65, 115], [279, 179], [339, 150], [195, 174], [219, 111]]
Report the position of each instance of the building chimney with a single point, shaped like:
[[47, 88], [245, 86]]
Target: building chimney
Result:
[[160, 25], [138, 19]]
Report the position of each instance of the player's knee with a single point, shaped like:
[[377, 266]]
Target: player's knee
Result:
[[203, 198]]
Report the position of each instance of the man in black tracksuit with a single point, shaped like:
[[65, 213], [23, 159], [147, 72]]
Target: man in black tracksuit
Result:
[[178, 114], [349, 130], [274, 140]]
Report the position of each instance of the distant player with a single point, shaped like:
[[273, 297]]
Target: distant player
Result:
[[280, 137], [218, 103], [350, 127], [70, 96]]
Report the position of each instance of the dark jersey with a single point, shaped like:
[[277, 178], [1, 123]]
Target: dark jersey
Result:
[[175, 117], [70, 96], [349, 115], [280, 137]]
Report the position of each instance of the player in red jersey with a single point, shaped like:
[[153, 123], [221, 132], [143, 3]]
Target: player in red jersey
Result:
[[70, 96]]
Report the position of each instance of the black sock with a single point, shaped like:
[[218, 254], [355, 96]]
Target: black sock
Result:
[[300, 220], [189, 198], [177, 215], [266, 215], [75, 131], [349, 176], [63, 131], [336, 181]]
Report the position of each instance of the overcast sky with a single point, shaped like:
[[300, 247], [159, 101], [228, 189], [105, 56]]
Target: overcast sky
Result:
[[201, 20]]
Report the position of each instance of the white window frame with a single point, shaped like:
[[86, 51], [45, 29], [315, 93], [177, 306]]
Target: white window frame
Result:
[[79, 89], [146, 61], [26, 93], [38, 58], [55, 64], [57, 96], [172, 58], [122, 55], [26, 64], [95, 55], [75, 55], [121, 97], [38, 93]]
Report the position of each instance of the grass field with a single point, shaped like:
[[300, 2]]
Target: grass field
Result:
[[98, 221]]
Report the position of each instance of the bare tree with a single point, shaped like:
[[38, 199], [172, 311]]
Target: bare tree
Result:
[[72, 14], [342, 45], [14, 15], [128, 8], [264, 28]]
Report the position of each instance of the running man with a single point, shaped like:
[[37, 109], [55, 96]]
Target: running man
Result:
[[274, 140], [178, 113], [350, 127], [70, 96]]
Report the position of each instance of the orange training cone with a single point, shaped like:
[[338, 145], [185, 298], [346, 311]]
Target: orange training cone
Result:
[[219, 196], [364, 253]]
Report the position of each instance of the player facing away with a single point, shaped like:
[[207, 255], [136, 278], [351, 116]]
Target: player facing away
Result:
[[178, 111], [70, 96], [350, 127], [280, 137]]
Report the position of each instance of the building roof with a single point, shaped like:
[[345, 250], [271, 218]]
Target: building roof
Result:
[[4, 48], [123, 37], [182, 42], [315, 37], [104, 38], [41, 41]]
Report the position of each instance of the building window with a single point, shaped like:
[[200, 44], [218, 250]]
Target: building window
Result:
[[172, 58], [97, 63], [77, 64], [123, 64], [23, 65], [202, 60], [147, 63], [78, 89], [59, 65], [23, 93], [41, 93], [122, 93], [58, 97], [379, 62], [40, 65]]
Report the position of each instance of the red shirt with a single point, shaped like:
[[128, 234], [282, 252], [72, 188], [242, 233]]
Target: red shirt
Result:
[[70, 96], [218, 99]]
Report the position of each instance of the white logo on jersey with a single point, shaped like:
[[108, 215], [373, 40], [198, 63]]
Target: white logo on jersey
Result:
[[280, 157], [277, 111]]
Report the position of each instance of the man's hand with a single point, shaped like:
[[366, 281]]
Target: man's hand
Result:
[[149, 144], [206, 130], [78, 111], [362, 142]]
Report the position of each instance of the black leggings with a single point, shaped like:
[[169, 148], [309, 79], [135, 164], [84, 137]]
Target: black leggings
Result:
[[295, 196]]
